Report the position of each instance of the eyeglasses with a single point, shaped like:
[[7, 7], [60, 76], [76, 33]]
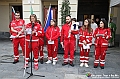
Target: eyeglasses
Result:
[[17, 15], [86, 21]]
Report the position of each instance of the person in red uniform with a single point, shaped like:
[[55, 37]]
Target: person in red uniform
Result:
[[52, 34], [17, 29], [10, 30], [41, 43], [85, 41], [68, 41], [101, 35], [32, 29]]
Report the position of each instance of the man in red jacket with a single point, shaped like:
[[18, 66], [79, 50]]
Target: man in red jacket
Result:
[[17, 28], [68, 41]]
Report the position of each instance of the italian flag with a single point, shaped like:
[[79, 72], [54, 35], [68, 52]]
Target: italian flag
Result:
[[31, 10]]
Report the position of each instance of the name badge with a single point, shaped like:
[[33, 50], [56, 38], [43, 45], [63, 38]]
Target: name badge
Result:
[[50, 42]]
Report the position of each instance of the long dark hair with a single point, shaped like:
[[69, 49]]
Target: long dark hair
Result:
[[33, 15], [38, 21], [89, 26], [105, 23], [54, 22]]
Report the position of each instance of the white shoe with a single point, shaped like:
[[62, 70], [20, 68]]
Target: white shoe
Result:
[[54, 62], [82, 64], [48, 62], [86, 65]]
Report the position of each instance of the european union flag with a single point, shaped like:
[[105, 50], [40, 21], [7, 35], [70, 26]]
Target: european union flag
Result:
[[49, 17]]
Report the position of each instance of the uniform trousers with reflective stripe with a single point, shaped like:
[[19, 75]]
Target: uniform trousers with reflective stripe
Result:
[[84, 54], [100, 53], [16, 42], [32, 46], [41, 45], [69, 47], [52, 51]]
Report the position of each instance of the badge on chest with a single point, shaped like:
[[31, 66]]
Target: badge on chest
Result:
[[75, 26]]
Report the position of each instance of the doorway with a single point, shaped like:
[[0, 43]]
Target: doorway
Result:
[[19, 8], [98, 8]]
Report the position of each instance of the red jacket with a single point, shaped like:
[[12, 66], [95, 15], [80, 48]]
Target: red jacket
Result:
[[52, 33], [10, 28], [84, 35], [17, 25], [101, 40], [36, 35], [65, 33], [41, 37]]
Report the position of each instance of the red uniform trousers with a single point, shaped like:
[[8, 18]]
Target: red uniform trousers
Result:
[[34, 49], [52, 51], [84, 55], [69, 46], [16, 42], [100, 53], [41, 45]]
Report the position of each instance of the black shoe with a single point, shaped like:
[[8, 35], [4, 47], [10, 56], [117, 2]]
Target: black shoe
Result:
[[15, 61], [41, 61], [71, 64], [102, 67], [65, 63], [95, 66]]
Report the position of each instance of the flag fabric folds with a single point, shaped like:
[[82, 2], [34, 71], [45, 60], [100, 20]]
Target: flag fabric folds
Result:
[[49, 17], [13, 13], [31, 10]]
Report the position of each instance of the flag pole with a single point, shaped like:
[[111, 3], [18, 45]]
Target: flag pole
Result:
[[25, 51]]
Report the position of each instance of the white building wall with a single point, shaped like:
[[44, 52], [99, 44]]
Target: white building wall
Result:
[[5, 12], [4, 18], [37, 9]]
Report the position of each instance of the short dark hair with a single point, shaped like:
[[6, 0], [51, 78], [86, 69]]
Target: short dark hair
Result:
[[54, 22], [68, 16], [17, 12], [73, 19], [105, 23]]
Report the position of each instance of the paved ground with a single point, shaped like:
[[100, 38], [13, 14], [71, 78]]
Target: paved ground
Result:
[[15, 71]]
